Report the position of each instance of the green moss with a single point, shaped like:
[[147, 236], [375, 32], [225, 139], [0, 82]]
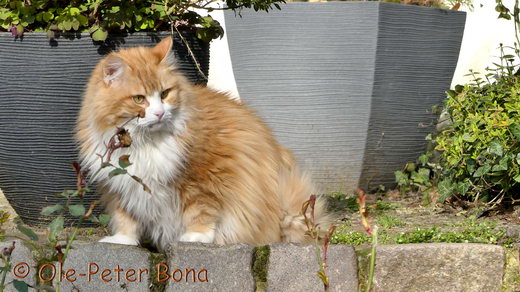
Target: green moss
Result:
[[363, 256], [511, 281], [154, 285], [260, 261]]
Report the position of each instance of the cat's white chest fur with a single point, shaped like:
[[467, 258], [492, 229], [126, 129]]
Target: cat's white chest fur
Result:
[[157, 159]]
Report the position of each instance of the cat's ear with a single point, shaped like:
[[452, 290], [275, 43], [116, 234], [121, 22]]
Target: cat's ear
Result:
[[163, 50], [113, 70]]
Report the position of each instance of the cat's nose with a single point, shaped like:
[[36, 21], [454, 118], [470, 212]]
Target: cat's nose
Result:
[[159, 114]]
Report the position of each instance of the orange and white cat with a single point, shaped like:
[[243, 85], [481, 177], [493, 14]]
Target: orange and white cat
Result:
[[215, 171]]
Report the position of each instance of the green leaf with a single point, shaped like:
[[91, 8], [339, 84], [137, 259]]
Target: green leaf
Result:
[[93, 218], [401, 178], [462, 187], [124, 161], [67, 25], [19, 29], [99, 35], [51, 209], [496, 148], [410, 166], [106, 164], [445, 189], [20, 286], [77, 210], [422, 176], [75, 24], [483, 170], [104, 219], [517, 178], [28, 232], [502, 164], [459, 88], [47, 16], [55, 228], [467, 137], [424, 158], [83, 20], [116, 171], [515, 130], [74, 11], [451, 93], [116, 9]]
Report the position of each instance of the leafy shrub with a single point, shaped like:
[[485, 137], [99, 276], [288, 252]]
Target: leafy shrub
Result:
[[99, 17], [480, 152]]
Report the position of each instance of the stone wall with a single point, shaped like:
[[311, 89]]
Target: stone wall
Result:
[[289, 267]]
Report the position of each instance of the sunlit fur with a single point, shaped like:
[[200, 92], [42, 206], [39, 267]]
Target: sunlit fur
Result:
[[215, 171]]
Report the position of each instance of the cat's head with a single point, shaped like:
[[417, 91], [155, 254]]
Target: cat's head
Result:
[[138, 82]]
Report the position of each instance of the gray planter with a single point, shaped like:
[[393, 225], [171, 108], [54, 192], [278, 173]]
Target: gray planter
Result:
[[348, 86], [40, 96]]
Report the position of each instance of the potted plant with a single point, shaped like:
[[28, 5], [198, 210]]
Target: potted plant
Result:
[[349, 86], [48, 49]]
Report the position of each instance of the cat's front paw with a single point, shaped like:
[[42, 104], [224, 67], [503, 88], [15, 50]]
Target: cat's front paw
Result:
[[198, 237], [119, 239]]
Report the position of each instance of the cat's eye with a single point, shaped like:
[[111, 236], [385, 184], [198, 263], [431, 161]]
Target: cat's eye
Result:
[[164, 94], [139, 99]]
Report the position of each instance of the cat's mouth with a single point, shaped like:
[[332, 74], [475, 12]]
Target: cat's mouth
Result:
[[155, 125]]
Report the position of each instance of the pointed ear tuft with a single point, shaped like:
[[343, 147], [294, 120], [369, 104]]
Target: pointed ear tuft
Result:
[[163, 48], [113, 70]]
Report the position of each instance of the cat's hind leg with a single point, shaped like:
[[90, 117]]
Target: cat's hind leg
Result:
[[200, 223]]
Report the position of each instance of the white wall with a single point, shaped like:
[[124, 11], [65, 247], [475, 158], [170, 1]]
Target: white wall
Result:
[[482, 35], [221, 77]]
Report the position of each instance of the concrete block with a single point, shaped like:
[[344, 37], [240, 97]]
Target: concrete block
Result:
[[439, 267], [105, 267], [293, 267], [208, 267]]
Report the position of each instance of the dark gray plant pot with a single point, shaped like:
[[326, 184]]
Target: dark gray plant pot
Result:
[[40, 95], [348, 86]]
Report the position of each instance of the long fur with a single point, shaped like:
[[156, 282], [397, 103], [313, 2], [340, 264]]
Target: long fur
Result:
[[215, 171]]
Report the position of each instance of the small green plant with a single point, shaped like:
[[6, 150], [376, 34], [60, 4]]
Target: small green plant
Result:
[[415, 177], [380, 205], [338, 201], [349, 237], [314, 232], [388, 221], [485, 232], [372, 231], [99, 17]]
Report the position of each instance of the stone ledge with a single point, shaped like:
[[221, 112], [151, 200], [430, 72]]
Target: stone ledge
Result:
[[293, 267], [207, 267], [439, 267]]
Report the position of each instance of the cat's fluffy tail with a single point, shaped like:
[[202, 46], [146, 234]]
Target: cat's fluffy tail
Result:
[[295, 189]]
